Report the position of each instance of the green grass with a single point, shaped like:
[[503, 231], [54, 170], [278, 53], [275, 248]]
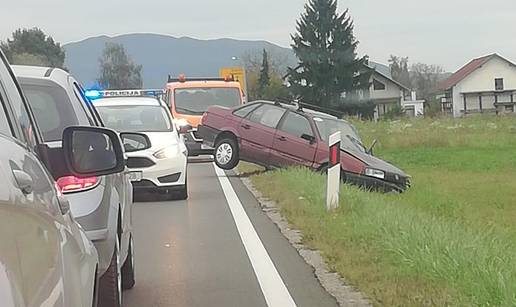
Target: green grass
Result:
[[450, 240]]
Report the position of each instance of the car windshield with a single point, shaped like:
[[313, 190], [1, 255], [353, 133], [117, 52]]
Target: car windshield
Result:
[[136, 118], [349, 135], [53, 110], [196, 101]]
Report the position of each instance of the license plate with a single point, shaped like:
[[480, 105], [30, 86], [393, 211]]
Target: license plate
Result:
[[206, 147], [135, 176]]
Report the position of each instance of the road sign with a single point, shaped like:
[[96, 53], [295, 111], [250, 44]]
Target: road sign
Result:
[[333, 185], [238, 74]]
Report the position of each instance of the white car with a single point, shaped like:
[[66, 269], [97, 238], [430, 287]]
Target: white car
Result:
[[163, 166]]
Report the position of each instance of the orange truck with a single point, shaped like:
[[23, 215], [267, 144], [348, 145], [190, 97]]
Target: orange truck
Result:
[[189, 98]]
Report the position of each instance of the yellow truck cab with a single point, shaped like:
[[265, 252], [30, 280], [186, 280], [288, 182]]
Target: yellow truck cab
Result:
[[188, 99]]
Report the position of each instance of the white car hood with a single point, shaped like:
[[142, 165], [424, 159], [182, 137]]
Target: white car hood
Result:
[[160, 140]]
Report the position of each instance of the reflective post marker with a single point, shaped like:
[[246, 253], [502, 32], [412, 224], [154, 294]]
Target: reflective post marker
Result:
[[333, 185]]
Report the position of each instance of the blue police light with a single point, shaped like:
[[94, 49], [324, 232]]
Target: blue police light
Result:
[[93, 94]]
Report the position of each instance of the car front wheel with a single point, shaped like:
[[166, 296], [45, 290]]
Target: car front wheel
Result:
[[226, 154], [128, 279]]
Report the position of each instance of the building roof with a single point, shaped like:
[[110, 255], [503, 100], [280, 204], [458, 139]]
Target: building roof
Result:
[[384, 71], [467, 70]]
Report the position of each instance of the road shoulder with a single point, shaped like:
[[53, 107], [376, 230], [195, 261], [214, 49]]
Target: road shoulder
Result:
[[331, 282]]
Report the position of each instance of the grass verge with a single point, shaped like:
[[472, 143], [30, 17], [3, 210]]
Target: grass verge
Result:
[[449, 241]]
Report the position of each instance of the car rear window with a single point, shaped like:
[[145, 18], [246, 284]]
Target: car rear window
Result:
[[53, 110]]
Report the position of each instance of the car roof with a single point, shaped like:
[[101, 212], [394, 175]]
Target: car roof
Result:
[[294, 107], [41, 73], [196, 84], [128, 101]]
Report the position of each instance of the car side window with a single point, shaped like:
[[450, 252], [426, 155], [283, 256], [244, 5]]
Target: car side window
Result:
[[4, 124], [243, 112], [11, 93], [84, 105], [296, 125], [267, 115]]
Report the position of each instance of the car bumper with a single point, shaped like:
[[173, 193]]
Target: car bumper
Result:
[[196, 145], [164, 174], [376, 184]]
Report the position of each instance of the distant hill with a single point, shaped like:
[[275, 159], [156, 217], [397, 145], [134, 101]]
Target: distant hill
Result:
[[162, 55]]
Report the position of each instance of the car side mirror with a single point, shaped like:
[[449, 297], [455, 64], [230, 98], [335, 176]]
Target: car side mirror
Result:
[[309, 138], [135, 141], [92, 151], [185, 129], [371, 149]]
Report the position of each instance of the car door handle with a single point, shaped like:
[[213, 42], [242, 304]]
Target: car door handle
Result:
[[246, 126], [282, 138], [24, 181]]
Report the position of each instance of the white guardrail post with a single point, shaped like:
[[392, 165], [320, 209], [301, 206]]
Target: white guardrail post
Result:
[[333, 185]]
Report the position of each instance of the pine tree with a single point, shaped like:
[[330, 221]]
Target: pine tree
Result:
[[265, 79], [326, 48]]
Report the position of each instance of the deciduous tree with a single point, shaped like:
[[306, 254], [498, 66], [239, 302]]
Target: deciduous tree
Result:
[[33, 47], [117, 70]]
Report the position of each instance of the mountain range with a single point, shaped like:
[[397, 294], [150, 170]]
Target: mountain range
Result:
[[163, 55]]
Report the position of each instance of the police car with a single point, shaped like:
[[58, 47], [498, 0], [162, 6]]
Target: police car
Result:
[[163, 166]]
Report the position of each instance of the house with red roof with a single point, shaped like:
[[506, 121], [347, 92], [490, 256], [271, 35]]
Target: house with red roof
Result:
[[484, 85]]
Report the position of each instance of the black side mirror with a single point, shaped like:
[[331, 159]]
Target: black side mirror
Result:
[[371, 149], [309, 138], [185, 129], [135, 141], [92, 151]]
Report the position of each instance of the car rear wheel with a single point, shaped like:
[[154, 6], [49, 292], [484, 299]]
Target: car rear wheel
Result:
[[110, 292], [226, 154], [128, 279]]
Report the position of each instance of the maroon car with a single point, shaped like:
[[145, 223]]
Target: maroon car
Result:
[[275, 134]]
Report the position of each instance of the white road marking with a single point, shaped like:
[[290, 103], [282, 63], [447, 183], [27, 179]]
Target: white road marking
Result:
[[274, 290]]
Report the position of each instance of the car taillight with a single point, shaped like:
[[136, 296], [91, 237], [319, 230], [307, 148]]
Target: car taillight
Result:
[[202, 118], [73, 184]]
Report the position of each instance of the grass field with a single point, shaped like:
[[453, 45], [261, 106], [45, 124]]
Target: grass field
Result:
[[449, 241]]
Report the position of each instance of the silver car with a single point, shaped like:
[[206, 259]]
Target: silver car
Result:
[[101, 204], [45, 257]]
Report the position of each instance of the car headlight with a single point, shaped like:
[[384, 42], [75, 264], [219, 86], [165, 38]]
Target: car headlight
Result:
[[371, 172], [167, 152]]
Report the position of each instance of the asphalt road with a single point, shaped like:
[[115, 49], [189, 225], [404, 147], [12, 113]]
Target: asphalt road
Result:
[[204, 251]]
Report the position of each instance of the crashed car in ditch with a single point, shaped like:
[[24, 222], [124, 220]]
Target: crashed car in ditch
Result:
[[274, 134]]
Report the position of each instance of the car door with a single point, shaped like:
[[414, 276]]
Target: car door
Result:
[[257, 132], [11, 280], [294, 142], [50, 260]]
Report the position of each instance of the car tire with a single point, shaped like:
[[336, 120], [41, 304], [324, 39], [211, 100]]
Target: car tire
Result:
[[128, 279], [110, 288], [226, 154], [183, 192]]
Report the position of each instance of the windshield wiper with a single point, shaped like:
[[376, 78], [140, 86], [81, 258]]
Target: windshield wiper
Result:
[[357, 143], [188, 111]]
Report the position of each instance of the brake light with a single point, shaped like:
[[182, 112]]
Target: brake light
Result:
[[203, 117], [74, 184]]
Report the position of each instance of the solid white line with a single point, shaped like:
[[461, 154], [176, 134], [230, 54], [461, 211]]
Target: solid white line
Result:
[[274, 290]]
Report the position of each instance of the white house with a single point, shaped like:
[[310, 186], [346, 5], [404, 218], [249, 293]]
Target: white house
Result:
[[486, 84], [387, 93]]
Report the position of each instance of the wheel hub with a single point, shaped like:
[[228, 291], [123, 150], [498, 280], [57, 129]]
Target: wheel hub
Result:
[[224, 153]]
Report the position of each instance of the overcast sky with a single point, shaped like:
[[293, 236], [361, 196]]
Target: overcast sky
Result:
[[445, 32]]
